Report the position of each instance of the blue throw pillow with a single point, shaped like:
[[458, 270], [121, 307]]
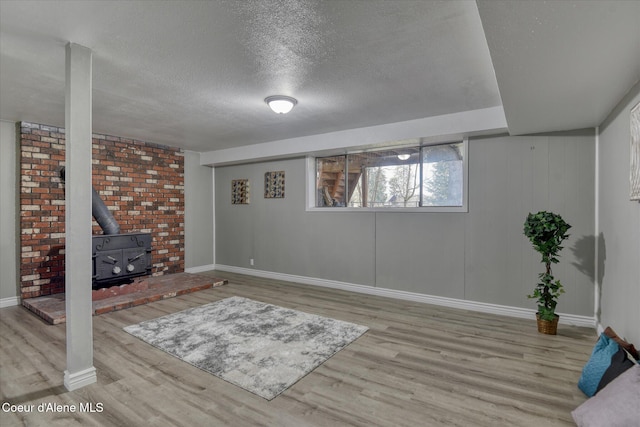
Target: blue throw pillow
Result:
[[598, 363]]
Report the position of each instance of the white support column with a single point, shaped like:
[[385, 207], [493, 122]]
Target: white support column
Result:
[[78, 263]]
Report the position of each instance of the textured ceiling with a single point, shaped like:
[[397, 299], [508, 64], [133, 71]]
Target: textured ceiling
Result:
[[194, 74]]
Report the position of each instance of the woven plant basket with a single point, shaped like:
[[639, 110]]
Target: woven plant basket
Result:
[[549, 327]]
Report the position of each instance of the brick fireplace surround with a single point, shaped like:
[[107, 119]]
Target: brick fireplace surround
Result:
[[141, 183]]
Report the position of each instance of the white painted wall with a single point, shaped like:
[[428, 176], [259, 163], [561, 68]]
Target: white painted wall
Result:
[[198, 212], [487, 121], [8, 215], [480, 255], [618, 225]]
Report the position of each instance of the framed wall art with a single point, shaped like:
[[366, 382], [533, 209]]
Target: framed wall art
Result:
[[634, 178], [240, 192], [274, 185]]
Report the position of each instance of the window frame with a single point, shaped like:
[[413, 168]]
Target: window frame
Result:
[[311, 189]]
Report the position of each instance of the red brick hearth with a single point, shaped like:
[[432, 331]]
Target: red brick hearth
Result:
[[142, 291]]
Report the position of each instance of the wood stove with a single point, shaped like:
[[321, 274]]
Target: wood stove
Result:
[[120, 257], [117, 258]]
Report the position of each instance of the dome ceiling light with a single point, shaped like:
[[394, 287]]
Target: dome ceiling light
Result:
[[280, 104]]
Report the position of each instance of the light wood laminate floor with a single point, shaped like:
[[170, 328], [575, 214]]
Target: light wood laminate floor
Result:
[[418, 365]]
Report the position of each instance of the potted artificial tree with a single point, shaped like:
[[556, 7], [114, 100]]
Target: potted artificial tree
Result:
[[546, 231]]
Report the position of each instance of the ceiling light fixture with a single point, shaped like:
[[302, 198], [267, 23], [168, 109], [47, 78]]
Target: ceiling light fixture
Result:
[[404, 156], [280, 104]]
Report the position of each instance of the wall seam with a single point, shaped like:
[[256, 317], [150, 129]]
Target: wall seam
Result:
[[596, 232]]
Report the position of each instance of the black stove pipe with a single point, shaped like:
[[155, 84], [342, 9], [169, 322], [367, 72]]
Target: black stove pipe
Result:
[[103, 217], [99, 210]]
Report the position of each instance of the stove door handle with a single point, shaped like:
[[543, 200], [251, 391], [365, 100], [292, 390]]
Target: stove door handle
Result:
[[136, 257]]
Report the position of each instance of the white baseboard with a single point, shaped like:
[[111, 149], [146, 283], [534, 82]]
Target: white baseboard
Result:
[[503, 310], [9, 302], [80, 379], [200, 269]]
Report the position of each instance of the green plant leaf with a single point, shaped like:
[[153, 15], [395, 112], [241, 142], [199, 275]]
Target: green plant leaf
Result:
[[546, 231]]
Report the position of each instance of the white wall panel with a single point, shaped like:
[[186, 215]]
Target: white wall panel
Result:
[[619, 225], [8, 214], [198, 212], [477, 256]]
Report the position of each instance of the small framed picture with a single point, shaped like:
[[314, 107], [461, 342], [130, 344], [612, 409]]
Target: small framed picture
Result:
[[274, 185], [240, 192]]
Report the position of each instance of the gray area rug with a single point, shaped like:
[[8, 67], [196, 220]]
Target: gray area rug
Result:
[[260, 347]]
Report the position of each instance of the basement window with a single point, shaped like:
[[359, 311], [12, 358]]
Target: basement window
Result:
[[411, 178]]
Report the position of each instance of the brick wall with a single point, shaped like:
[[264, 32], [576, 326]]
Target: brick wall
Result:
[[141, 183]]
